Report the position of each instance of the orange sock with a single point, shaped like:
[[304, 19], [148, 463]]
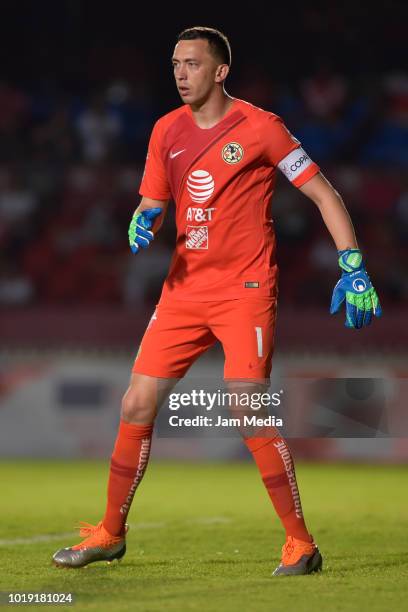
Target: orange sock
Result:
[[275, 464], [128, 464]]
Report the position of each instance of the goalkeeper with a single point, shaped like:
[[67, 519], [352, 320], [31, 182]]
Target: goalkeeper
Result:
[[217, 157]]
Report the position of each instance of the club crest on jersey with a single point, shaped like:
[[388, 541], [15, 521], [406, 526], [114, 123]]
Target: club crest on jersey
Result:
[[200, 186], [232, 153]]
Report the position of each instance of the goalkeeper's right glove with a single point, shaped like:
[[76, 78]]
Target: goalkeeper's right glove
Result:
[[139, 228]]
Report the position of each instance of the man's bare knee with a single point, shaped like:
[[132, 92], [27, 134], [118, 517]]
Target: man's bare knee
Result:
[[137, 409], [142, 400]]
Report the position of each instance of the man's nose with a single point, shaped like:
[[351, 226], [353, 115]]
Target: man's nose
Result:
[[181, 73]]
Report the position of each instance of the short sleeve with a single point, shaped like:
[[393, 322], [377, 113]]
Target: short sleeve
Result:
[[284, 151], [154, 181], [278, 141]]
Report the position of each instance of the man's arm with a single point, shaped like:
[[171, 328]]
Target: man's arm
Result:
[[146, 221], [333, 211], [354, 287]]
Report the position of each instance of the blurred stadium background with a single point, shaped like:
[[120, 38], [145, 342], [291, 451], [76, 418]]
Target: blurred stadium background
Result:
[[80, 88]]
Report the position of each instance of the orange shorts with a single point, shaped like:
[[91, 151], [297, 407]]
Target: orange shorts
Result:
[[180, 331]]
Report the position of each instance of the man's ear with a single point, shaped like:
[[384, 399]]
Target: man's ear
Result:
[[221, 73]]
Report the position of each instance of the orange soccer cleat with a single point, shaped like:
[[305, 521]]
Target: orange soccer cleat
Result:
[[299, 558], [98, 545]]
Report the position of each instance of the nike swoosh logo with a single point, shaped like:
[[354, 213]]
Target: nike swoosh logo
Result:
[[173, 155]]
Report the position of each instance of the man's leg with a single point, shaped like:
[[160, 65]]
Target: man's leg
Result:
[[246, 330], [273, 459], [175, 337], [106, 541], [275, 464], [132, 447]]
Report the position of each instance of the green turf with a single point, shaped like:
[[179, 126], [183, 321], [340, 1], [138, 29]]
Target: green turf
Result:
[[204, 537]]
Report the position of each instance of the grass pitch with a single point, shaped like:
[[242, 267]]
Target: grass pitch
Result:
[[204, 537]]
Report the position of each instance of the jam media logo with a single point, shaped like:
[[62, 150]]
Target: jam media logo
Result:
[[359, 285], [200, 186], [232, 153], [197, 237]]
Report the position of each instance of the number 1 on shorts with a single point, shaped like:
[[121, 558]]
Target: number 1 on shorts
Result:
[[258, 331]]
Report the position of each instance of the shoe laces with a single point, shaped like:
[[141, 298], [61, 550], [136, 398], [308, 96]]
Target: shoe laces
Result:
[[293, 549], [288, 548], [96, 535], [87, 529]]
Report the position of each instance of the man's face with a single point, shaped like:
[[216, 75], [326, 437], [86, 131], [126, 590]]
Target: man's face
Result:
[[195, 70]]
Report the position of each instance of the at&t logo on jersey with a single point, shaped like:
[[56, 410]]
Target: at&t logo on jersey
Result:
[[232, 153], [200, 186], [199, 214]]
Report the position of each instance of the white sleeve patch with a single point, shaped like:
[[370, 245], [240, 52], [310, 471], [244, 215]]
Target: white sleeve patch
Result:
[[294, 164]]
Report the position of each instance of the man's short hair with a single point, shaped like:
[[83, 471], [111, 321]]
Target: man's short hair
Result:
[[217, 41]]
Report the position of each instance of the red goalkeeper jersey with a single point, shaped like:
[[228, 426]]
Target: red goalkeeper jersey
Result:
[[222, 180]]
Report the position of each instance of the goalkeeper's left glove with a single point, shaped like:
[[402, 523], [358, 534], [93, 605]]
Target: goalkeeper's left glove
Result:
[[355, 287], [139, 228]]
